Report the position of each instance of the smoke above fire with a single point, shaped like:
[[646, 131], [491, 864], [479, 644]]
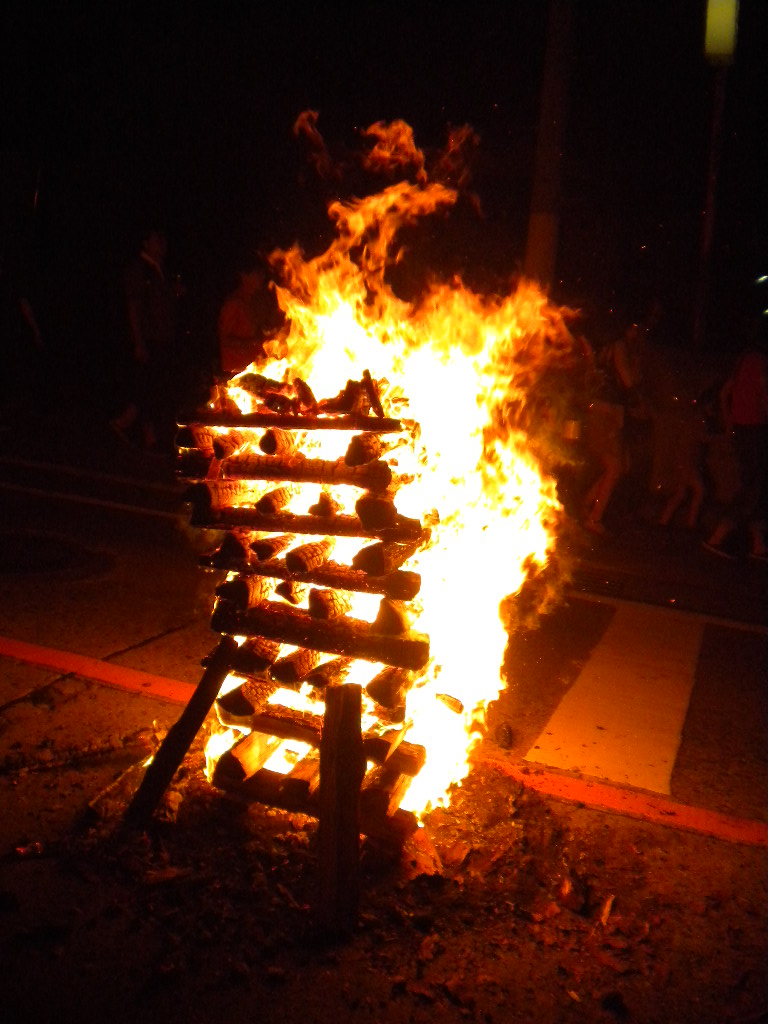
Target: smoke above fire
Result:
[[478, 379]]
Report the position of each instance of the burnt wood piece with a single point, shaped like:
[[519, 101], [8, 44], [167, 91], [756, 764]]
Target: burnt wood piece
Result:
[[376, 512], [295, 667], [267, 547], [179, 738], [382, 558], [290, 421], [277, 442], [246, 591], [225, 445], [291, 591], [304, 394], [390, 686], [232, 553], [372, 391], [383, 790], [452, 703], [255, 654], [275, 500], [259, 386], [305, 727], [342, 770], [392, 617], [328, 604], [333, 671], [210, 496], [325, 506], [298, 468], [363, 448], [237, 707], [401, 584], [251, 753], [310, 556], [353, 638], [197, 437]]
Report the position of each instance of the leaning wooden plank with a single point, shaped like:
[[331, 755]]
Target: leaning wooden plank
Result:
[[351, 637], [179, 738]]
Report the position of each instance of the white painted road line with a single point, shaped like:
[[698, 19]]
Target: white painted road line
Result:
[[623, 717]]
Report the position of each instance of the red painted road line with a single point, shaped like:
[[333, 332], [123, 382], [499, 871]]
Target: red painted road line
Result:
[[102, 671], [658, 810]]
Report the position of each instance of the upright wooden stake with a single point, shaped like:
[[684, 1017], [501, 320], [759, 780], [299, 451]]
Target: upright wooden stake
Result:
[[180, 736], [342, 769]]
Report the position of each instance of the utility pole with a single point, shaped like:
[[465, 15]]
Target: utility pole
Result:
[[719, 47], [544, 217]]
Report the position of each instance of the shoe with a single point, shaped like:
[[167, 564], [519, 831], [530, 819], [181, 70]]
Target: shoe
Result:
[[759, 556], [715, 549]]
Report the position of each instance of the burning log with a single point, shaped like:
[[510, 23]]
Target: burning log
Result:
[[288, 522], [277, 442], [375, 476], [328, 604], [295, 667], [342, 770], [381, 559], [353, 638], [227, 444], [310, 556], [390, 686], [275, 500], [251, 753], [363, 448], [179, 737], [382, 792], [290, 421], [192, 464], [267, 547], [198, 437]]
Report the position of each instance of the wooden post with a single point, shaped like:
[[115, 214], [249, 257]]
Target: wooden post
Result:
[[180, 736], [342, 769]]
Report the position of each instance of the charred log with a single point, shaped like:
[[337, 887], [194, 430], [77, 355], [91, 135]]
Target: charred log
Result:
[[246, 590], [380, 559], [363, 448], [401, 584], [295, 667], [275, 500], [291, 591], [232, 417], [325, 506], [390, 686], [353, 638], [376, 512], [287, 522], [310, 556], [333, 671], [392, 617], [375, 476], [328, 604], [267, 547]]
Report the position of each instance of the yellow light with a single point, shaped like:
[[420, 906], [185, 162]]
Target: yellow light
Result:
[[720, 36]]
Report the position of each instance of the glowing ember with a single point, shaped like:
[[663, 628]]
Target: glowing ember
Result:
[[463, 372]]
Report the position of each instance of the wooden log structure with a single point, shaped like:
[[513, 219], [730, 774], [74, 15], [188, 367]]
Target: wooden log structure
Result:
[[346, 636]]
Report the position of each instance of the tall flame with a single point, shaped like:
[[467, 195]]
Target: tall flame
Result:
[[461, 369]]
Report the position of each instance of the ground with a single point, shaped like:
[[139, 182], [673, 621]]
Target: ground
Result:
[[510, 906]]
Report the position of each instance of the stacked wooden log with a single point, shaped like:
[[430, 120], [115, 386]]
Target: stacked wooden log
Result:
[[283, 586]]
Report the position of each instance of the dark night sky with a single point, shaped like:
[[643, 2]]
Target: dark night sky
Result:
[[121, 109]]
